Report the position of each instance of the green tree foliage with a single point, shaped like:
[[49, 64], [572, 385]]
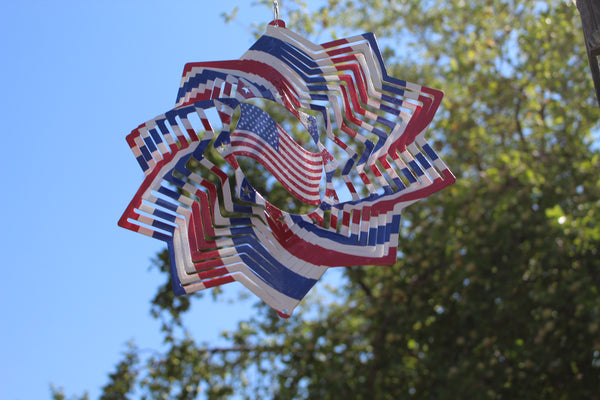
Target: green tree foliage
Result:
[[123, 380], [495, 292]]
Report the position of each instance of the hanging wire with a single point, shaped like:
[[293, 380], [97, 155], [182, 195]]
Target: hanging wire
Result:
[[275, 10]]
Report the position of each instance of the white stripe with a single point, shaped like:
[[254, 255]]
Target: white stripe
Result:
[[286, 153], [300, 184]]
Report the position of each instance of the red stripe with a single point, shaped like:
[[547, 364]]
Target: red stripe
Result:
[[334, 43], [216, 92], [260, 69], [315, 160], [364, 178], [213, 273], [346, 219], [318, 255], [192, 134], [297, 148], [219, 281], [316, 217], [288, 187], [196, 230], [375, 170], [333, 220], [219, 172], [227, 90], [259, 145], [273, 165], [351, 187], [356, 214], [206, 124], [366, 214]]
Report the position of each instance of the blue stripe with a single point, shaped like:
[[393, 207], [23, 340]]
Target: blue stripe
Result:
[[325, 206], [430, 152], [154, 134], [233, 103], [348, 167], [168, 192], [381, 134], [164, 215], [411, 178], [271, 271], [163, 128], [391, 99], [388, 109], [387, 189], [163, 226], [146, 153], [363, 238], [319, 97], [201, 148], [386, 78], [395, 228], [349, 164], [175, 281], [198, 79], [373, 236], [143, 164], [224, 138], [290, 55], [149, 144], [318, 88], [399, 184], [178, 112], [370, 197], [365, 155], [381, 235], [393, 89], [386, 122], [416, 169], [240, 221], [161, 236], [423, 161], [169, 206], [211, 74], [352, 240]]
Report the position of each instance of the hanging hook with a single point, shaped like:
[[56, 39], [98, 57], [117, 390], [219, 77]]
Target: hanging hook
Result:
[[276, 11], [276, 21]]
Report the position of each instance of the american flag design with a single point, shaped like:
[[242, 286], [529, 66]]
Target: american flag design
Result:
[[258, 136], [219, 229]]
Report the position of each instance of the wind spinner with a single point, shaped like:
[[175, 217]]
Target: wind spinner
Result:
[[368, 159]]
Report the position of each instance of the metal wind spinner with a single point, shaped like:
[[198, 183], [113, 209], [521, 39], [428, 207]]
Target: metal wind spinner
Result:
[[219, 229]]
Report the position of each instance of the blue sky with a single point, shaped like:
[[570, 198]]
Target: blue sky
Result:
[[75, 78]]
